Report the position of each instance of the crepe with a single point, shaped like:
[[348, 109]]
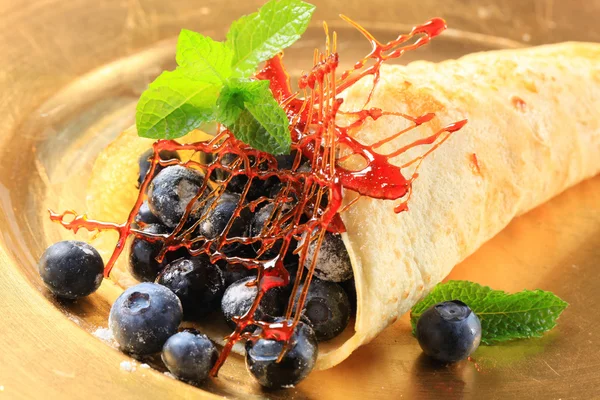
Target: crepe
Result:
[[533, 131]]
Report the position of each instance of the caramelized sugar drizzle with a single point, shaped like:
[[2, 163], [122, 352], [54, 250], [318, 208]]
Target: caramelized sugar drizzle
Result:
[[311, 199]]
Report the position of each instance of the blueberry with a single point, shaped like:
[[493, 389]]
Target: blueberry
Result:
[[171, 191], [142, 258], [236, 272], [189, 355], [218, 213], [71, 269], [238, 299], [278, 187], [198, 284], [327, 307], [171, 256], [291, 266], [143, 317], [296, 364], [144, 162], [238, 183], [257, 225], [349, 287], [275, 189], [145, 216], [333, 261], [449, 331], [305, 166], [286, 161]]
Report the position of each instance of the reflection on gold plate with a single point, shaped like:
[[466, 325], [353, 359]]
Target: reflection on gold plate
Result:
[[70, 76]]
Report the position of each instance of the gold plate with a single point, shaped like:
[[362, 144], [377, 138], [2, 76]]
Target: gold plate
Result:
[[69, 77]]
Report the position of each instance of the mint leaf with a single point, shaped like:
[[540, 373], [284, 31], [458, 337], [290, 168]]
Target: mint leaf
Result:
[[249, 111], [233, 96], [503, 316], [203, 57], [179, 101], [174, 104], [259, 36]]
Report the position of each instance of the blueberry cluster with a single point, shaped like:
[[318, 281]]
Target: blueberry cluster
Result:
[[145, 319]]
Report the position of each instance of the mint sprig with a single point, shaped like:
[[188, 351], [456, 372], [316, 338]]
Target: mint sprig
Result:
[[212, 81], [249, 109], [503, 316]]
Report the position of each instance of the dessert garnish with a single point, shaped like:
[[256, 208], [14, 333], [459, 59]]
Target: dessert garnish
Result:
[[503, 316]]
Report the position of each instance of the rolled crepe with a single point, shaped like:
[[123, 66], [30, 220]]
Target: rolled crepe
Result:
[[533, 131]]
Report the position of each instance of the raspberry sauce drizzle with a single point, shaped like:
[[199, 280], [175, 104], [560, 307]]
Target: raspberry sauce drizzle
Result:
[[319, 190]]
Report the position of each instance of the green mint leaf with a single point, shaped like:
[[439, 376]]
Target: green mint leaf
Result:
[[249, 111], [503, 316], [233, 96], [179, 101], [174, 104], [203, 58], [259, 36]]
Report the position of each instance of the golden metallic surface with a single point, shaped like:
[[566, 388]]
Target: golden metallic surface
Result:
[[69, 78]]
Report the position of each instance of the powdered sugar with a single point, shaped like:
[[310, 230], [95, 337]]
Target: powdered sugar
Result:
[[128, 366], [236, 295], [105, 335], [74, 319], [170, 375]]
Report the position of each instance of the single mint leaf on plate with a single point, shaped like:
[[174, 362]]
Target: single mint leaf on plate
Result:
[[249, 111], [260, 36], [175, 104], [503, 316], [203, 57]]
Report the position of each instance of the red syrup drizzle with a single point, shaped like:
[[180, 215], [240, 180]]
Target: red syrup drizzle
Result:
[[317, 135]]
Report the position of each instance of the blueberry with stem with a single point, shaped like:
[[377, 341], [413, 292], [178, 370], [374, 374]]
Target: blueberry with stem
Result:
[[327, 308], [449, 331], [143, 317]]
